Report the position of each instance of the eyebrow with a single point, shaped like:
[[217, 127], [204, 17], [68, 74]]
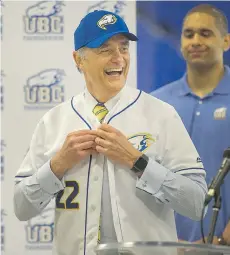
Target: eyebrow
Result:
[[125, 42], [199, 29]]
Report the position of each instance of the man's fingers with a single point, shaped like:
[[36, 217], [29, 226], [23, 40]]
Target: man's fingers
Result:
[[109, 128], [85, 145], [88, 152], [101, 149], [85, 138], [103, 143], [73, 140], [106, 135], [82, 132]]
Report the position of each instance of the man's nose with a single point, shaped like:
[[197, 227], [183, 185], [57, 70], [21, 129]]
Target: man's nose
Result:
[[197, 40], [117, 55]]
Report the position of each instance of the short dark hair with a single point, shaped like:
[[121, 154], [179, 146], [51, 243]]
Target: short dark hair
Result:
[[217, 14]]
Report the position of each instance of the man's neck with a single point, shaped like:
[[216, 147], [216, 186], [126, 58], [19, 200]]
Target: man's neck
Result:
[[203, 81], [102, 96]]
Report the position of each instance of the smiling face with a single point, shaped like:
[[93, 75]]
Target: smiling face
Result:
[[202, 43], [106, 68]]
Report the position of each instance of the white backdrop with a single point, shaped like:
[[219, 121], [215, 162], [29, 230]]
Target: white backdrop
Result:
[[36, 43]]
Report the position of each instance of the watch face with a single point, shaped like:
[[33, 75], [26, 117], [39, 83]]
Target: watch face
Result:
[[141, 163]]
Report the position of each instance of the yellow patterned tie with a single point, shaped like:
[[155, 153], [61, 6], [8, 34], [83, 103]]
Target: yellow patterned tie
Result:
[[100, 111]]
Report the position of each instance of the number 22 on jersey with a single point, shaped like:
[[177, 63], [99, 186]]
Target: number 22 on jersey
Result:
[[68, 202]]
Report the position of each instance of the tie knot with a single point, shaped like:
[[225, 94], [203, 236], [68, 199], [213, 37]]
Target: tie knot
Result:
[[100, 111]]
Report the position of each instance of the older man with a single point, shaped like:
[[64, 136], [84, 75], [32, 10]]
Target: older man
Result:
[[118, 161]]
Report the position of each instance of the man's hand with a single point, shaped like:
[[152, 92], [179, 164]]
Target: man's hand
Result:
[[77, 146], [215, 241], [113, 144], [226, 233]]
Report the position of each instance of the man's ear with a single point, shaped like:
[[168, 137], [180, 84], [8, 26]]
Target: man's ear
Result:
[[78, 60], [227, 42]]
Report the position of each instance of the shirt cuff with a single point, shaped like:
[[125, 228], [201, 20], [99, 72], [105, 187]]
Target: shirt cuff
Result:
[[48, 181], [152, 178]]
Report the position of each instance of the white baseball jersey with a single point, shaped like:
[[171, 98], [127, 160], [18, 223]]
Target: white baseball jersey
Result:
[[154, 128]]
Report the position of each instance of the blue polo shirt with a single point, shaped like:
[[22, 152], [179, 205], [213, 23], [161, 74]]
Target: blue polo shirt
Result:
[[207, 121]]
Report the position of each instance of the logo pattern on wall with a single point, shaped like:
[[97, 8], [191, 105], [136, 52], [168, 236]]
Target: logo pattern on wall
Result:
[[1, 19], [44, 21], [112, 6], [3, 146], [40, 230], [3, 214], [2, 92], [45, 89]]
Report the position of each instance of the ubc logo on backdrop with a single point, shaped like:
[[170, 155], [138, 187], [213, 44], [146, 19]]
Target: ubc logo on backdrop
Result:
[[112, 6], [43, 21], [3, 214], [1, 19], [44, 89], [40, 230], [3, 146], [2, 75]]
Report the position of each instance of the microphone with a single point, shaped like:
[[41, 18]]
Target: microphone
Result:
[[218, 179]]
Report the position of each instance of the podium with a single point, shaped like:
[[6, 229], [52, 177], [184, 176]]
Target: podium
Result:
[[161, 248]]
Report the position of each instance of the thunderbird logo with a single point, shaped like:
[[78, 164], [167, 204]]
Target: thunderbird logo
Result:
[[116, 7], [141, 141], [45, 9], [106, 20], [49, 77]]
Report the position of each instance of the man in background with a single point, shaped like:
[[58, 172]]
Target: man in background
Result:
[[202, 99]]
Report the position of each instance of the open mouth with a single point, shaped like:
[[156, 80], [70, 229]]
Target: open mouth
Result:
[[197, 51], [114, 71], [197, 54]]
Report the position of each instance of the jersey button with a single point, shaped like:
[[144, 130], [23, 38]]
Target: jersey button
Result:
[[91, 236], [197, 113], [93, 208]]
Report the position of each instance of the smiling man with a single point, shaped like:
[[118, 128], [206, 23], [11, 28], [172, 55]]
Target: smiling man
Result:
[[202, 99], [117, 161]]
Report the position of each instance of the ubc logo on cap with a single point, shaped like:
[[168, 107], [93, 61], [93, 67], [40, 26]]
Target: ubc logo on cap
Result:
[[141, 141], [106, 20]]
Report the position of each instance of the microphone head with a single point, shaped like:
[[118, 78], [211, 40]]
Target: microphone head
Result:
[[227, 153]]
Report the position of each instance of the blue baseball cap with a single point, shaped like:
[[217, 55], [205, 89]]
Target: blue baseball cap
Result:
[[97, 27]]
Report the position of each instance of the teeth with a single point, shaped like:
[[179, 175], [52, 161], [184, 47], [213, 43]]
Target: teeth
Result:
[[114, 70]]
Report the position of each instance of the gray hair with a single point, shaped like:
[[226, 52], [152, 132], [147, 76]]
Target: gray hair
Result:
[[81, 54]]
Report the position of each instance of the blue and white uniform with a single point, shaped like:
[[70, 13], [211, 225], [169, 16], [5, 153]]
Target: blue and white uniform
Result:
[[142, 209]]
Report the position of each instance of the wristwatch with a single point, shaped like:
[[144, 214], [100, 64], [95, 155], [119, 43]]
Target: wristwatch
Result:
[[140, 164]]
